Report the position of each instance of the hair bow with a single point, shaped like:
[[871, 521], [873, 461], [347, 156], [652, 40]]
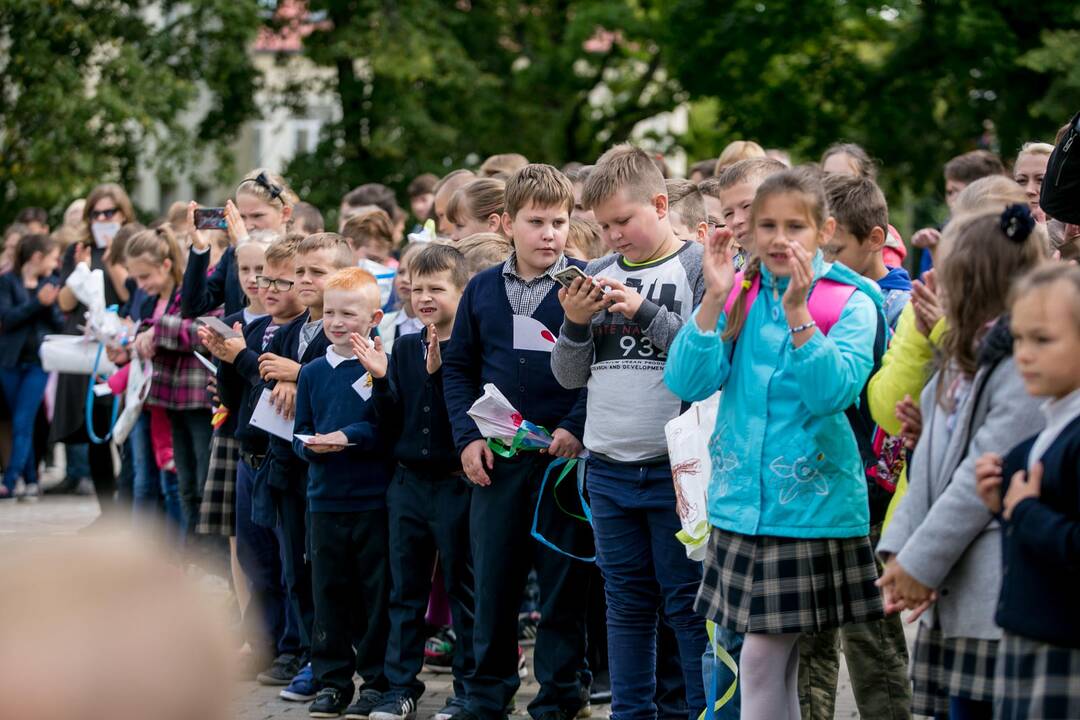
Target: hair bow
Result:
[[1017, 222]]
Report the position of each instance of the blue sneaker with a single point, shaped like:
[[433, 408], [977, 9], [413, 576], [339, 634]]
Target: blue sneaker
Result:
[[302, 687]]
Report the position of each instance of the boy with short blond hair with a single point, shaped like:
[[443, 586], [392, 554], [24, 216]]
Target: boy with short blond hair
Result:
[[619, 324], [503, 334], [317, 257], [336, 432]]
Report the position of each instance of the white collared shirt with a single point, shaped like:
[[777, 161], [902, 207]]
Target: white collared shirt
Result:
[[1059, 413], [334, 359]]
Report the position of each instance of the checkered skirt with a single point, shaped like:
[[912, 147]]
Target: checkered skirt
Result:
[[1036, 680], [775, 585], [217, 513], [942, 666]]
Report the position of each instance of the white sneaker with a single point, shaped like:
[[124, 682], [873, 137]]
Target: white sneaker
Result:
[[31, 493]]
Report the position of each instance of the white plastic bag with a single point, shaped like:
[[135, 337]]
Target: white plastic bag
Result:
[[89, 287], [138, 388], [74, 355], [688, 448]]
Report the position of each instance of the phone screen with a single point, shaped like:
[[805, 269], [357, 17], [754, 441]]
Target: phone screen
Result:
[[210, 219]]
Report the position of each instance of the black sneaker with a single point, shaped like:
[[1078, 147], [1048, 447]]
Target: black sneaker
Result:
[[366, 702], [393, 708], [281, 672], [329, 703]]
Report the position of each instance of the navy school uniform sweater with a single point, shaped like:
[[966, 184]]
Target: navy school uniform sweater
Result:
[[230, 386], [287, 469], [354, 479], [201, 293], [482, 351], [1041, 546], [412, 411]]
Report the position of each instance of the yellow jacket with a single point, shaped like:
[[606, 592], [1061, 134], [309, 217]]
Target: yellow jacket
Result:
[[905, 368]]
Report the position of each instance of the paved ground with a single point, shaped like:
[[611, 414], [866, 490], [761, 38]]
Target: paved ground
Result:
[[23, 522]]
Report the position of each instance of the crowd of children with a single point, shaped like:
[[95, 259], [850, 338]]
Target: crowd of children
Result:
[[311, 395]]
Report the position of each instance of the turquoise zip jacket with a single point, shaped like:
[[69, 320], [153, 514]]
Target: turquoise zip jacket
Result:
[[784, 458]]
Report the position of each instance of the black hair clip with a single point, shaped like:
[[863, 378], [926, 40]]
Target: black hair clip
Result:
[[271, 188], [1017, 222]]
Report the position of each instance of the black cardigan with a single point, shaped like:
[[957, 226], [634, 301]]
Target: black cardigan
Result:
[[1041, 547]]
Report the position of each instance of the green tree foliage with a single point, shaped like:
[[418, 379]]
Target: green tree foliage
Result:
[[87, 88], [427, 85], [913, 81]]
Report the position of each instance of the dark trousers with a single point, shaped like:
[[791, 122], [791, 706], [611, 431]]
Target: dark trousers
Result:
[[350, 581], [191, 433], [645, 568], [268, 624], [500, 519], [292, 514], [428, 514]]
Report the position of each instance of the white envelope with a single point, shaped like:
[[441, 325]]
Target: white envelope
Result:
[[530, 334], [265, 417]]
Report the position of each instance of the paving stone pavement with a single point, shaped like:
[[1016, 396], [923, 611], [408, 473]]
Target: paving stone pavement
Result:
[[52, 516]]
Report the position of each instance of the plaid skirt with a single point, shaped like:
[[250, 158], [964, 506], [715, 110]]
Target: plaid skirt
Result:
[[941, 667], [1036, 680], [773, 585], [217, 513]]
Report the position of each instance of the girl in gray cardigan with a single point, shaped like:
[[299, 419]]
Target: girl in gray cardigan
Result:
[[942, 549]]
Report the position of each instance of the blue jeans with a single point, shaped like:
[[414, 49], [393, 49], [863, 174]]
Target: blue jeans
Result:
[[732, 643], [151, 484], [24, 390], [645, 569]]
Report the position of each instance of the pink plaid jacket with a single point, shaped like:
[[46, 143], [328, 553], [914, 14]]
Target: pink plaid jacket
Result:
[[179, 380]]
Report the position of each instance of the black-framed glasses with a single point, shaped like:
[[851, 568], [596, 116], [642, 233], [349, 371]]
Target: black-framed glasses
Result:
[[714, 222], [106, 214], [278, 284]]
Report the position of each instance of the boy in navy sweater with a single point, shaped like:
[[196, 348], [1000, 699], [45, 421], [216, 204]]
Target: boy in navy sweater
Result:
[[503, 334], [428, 499], [348, 472]]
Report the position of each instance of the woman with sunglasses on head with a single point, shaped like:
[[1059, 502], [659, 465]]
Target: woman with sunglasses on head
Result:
[[263, 202], [107, 209]]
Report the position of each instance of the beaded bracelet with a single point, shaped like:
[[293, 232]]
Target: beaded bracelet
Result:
[[800, 328]]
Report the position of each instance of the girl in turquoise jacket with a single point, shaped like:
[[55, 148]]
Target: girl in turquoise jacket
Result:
[[789, 551]]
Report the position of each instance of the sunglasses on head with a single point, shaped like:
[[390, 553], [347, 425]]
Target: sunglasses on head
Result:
[[106, 214], [280, 285]]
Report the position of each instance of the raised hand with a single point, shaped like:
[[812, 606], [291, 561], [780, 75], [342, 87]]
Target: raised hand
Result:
[[275, 367], [718, 264], [910, 417], [234, 223], [198, 238], [802, 278], [926, 303], [370, 354], [434, 354]]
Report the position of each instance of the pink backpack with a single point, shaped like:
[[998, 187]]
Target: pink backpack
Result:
[[826, 302]]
